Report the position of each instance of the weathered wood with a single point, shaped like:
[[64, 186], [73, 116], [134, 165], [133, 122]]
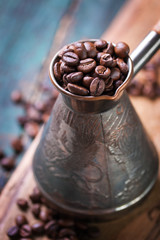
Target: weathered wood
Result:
[[143, 222]]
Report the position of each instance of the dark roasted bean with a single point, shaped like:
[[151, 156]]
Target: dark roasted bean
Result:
[[75, 89], [93, 232], [87, 81], [122, 65], [64, 232], [121, 50], [86, 65], [71, 59], [80, 50], [38, 228], [25, 231], [36, 209], [99, 54], [20, 220], [100, 44], [8, 163], [102, 72], [106, 60], [135, 88], [115, 74], [74, 77], [108, 83], [64, 50], [22, 203], [117, 83], [16, 96], [66, 222], [57, 71], [17, 144], [148, 91], [13, 232], [91, 49], [109, 49], [35, 196], [33, 114], [66, 69], [32, 129], [45, 215], [51, 228], [97, 87]]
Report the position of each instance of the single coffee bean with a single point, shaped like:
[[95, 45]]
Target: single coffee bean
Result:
[[148, 91], [65, 81], [74, 77], [80, 50], [75, 89], [38, 228], [109, 49], [13, 232], [118, 83], [100, 44], [20, 220], [22, 203], [99, 54], [121, 49], [115, 74], [97, 87], [8, 163], [36, 208], [86, 65], [91, 49], [64, 68], [108, 83], [64, 50], [102, 72], [51, 228], [70, 58], [122, 65], [93, 232], [32, 129], [87, 81], [57, 71], [17, 145], [25, 231], [35, 196], [33, 114], [66, 222], [135, 88], [45, 215], [16, 96], [106, 60], [66, 232]]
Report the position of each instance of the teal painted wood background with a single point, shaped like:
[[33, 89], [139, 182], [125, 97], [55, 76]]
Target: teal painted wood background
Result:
[[29, 33]]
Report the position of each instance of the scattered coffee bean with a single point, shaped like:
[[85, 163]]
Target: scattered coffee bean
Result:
[[86, 65], [70, 58], [121, 50], [45, 215], [22, 203], [38, 228], [20, 220], [25, 231], [73, 88], [33, 114], [97, 87], [8, 163], [36, 208], [22, 120], [35, 196], [32, 129], [16, 96], [100, 44], [17, 144], [13, 232]]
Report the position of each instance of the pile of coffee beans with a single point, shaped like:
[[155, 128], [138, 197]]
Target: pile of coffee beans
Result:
[[47, 222], [92, 68]]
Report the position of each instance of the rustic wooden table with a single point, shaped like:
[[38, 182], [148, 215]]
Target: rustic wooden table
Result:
[[142, 223]]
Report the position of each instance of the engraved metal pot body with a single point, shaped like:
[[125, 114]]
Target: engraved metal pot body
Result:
[[94, 158]]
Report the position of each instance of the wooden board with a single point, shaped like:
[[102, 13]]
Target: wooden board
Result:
[[142, 223]]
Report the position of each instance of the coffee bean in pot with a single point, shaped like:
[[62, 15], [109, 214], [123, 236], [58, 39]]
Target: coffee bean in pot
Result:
[[122, 66], [74, 77], [87, 81], [91, 49], [121, 50], [97, 87], [115, 74], [75, 89], [106, 60], [57, 71], [86, 65], [71, 59], [102, 72], [80, 50], [100, 44]]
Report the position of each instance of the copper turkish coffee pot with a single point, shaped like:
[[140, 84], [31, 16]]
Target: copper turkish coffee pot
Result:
[[95, 159]]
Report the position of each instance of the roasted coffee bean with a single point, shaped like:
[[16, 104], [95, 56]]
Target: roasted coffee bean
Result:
[[20, 220], [35, 196], [74, 77], [57, 71], [8, 163], [22, 203], [100, 44], [66, 69], [16, 96], [32, 129], [80, 50], [122, 65], [135, 88], [106, 60], [45, 215], [117, 83], [25, 231], [33, 114], [102, 72], [66, 222], [148, 91], [97, 87], [93, 232], [51, 228], [99, 54], [38, 228], [2, 154], [36, 208], [109, 49], [17, 144], [121, 50], [91, 49], [115, 74], [75, 89], [86, 65], [87, 81], [13, 232], [65, 50], [40, 106], [108, 83], [66, 232], [70, 58]]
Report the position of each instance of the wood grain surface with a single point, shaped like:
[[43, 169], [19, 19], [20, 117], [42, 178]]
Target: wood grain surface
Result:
[[143, 222]]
